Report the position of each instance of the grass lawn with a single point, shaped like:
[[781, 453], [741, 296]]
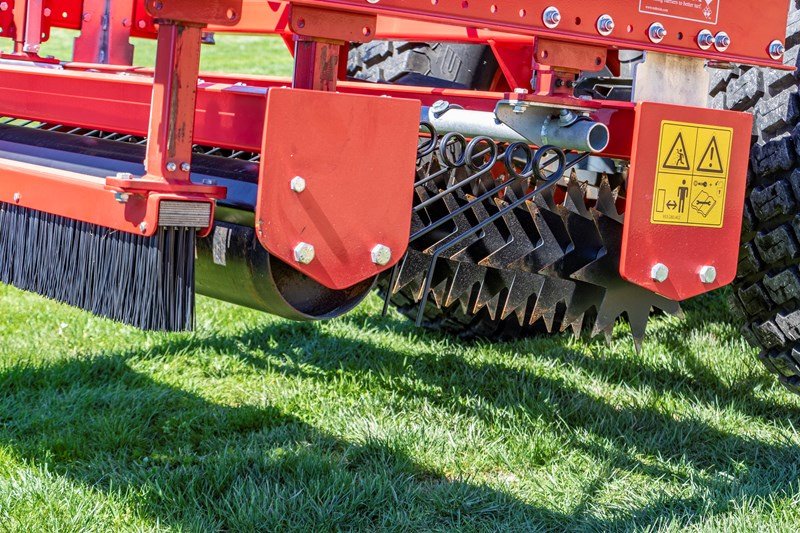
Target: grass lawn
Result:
[[364, 422]]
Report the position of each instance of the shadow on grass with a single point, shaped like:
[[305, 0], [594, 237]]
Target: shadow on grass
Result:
[[199, 464]]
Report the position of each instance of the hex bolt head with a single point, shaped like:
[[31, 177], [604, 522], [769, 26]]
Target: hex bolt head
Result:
[[298, 184], [124, 176], [143, 227], [440, 106], [551, 17], [705, 39], [381, 255], [657, 32], [186, 167], [121, 197], [708, 274], [304, 253], [16, 197], [722, 41], [659, 273], [776, 50], [605, 25], [171, 166]]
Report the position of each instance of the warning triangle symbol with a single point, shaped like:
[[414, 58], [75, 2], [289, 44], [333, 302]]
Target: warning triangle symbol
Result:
[[677, 159], [711, 161]]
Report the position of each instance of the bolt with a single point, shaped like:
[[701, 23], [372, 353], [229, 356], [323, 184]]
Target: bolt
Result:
[[705, 39], [605, 25], [381, 255], [124, 176], [126, 23], [566, 117], [776, 50], [121, 197], [16, 197], [186, 167], [3, 6], [657, 32], [171, 166], [87, 17], [208, 181], [304, 253], [297, 184], [551, 17], [659, 273], [46, 12], [722, 41], [143, 227], [440, 106], [142, 24], [708, 274]]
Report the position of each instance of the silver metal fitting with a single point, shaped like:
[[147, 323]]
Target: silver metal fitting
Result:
[[124, 176], [171, 166], [551, 17], [776, 50], [605, 25], [381, 255], [297, 184], [16, 197], [521, 90], [143, 227], [722, 41], [440, 106], [659, 273], [186, 167], [657, 32], [304, 253], [567, 118], [705, 39], [121, 197], [708, 274]]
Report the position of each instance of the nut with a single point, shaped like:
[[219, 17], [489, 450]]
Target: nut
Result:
[[143, 227], [186, 167], [708, 274], [171, 166], [381, 255], [304, 253], [659, 273], [298, 184]]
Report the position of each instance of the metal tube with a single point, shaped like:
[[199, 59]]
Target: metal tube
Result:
[[535, 125]]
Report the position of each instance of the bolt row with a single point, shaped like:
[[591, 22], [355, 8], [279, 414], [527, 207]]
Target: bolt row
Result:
[[305, 253], [660, 273], [657, 32]]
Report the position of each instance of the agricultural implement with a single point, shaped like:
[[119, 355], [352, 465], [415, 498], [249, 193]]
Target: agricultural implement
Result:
[[495, 168]]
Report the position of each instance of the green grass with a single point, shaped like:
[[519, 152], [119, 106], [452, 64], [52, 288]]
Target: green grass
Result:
[[364, 422]]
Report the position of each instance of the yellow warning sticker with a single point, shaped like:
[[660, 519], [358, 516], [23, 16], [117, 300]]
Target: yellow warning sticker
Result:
[[692, 175]]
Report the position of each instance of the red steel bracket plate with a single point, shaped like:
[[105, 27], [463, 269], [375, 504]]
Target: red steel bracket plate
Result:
[[685, 197], [752, 26], [357, 155]]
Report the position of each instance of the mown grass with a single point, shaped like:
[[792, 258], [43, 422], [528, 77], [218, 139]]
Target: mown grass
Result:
[[364, 422]]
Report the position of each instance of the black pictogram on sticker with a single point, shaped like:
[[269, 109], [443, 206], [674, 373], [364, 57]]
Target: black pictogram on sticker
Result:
[[677, 159], [711, 161]]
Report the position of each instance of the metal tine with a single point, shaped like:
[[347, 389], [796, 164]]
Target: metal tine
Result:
[[485, 196], [550, 183]]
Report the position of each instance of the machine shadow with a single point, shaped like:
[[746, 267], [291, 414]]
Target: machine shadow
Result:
[[97, 421], [200, 465]]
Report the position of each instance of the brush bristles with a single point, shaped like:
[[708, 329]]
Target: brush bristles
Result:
[[147, 282]]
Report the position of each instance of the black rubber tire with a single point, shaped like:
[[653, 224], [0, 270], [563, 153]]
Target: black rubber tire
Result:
[[444, 65], [767, 288]]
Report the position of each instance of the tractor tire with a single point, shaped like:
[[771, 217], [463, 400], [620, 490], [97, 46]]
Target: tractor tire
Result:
[[767, 287], [441, 65]]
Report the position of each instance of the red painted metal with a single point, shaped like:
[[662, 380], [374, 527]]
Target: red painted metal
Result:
[[219, 12], [683, 249], [357, 155], [81, 197], [340, 26], [104, 38], [171, 127], [752, 26], [316, 64], [227, 114]]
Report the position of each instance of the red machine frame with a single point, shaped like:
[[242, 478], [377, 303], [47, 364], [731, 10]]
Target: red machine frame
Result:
[[166, 103]]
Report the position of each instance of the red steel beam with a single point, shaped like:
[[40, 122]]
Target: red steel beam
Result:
[[230, 111], [752, 26]]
